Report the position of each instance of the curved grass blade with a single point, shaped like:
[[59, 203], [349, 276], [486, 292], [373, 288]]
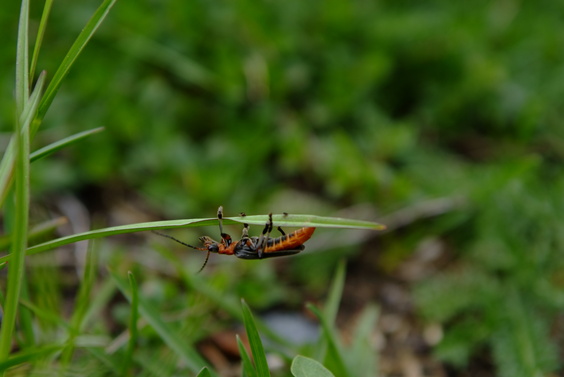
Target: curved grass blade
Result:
[[28, 356], [53, 147], [288, 220], [9, 158], [16, 270], [255, 342], [205, 372], [40, 33], [334, 357], [126, 362], [73, 53], [308, 220], [246, 363]]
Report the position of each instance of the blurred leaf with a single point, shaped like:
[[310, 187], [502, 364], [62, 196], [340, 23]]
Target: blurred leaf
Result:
[[257, 350], [306, 367], [204, 372], [248, 369], [166, 332], [73, 53], [52, 148], [334, 356], [362, 357]]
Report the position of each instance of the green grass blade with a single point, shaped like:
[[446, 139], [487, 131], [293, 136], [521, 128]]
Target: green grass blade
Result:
[[18, 248], [73, 53], [83, 302], [307, 220], [294, 220], [246, 362], [40, 34], [255, 342], [333, 360], [332, 306], [25, 118], [335, 294], [22, 59], [51, 148], [28, 356], [306, 367], [205, 372], [168, 334], [362, 357], [126, 362]]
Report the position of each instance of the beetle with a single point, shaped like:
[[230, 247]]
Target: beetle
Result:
[[247, 247]]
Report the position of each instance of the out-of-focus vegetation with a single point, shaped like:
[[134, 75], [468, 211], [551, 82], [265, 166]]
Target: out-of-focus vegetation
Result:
[[314, 106]]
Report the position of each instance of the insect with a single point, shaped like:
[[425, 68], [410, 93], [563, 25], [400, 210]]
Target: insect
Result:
[[247, 247]]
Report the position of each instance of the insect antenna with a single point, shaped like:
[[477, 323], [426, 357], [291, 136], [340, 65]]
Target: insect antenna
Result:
[[177, 240], [205, 262]]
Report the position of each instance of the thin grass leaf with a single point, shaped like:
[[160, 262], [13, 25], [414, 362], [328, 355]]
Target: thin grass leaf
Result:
[[112, 363], [40, 34], [22, 59], [127, 359], [18, 248], [25, 320], [332, 307], [334, 359], [45, 315], [73, 53], [9, 158], [309, 221], [82, 303], [170, 336], [255, 342], [27, 356], [100, 301], [290, 220], [362, 357], [248, 369], [204, 372], [305, 367], [53, 147], [335, 294]]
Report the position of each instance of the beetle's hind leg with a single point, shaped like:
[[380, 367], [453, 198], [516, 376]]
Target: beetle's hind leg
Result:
[[225, 238]]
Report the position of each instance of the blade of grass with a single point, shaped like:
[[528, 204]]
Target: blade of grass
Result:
[[332, 306], [333, 359], [246, 362], [328, 348], [290, 220], [255, 342], [40, 34], [126, 363], [205, 372], [21, 193], [22, 59], [170, 336], [335, 294], [73, 53], [53, 147], [363, 355], [25, 118], [28, 356], [82, 303]]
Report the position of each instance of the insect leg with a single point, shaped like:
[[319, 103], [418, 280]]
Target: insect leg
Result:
[[225, 238], [263, 239]]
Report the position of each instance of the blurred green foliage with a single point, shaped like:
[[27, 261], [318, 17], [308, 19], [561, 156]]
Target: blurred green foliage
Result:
[[334, 103]]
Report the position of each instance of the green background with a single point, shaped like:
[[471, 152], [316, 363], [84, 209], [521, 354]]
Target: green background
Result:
[[443, 118]]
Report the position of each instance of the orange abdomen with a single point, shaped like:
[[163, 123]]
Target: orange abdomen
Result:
[[290, 241]]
